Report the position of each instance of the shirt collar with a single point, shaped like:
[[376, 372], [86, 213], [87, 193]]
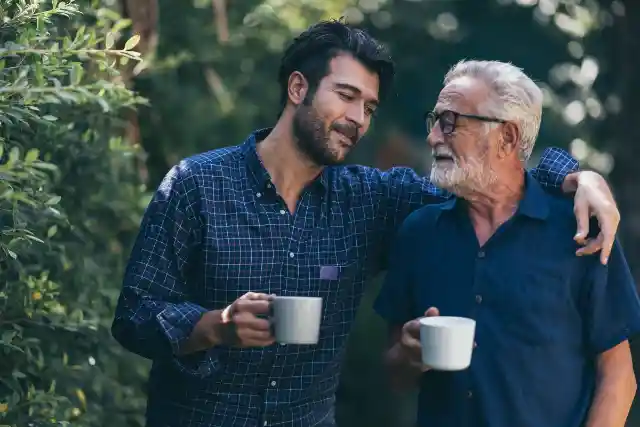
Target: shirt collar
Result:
[[256, 168], [534, 204]]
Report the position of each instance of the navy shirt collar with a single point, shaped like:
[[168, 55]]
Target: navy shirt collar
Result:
[[534, 204], [256, 168]]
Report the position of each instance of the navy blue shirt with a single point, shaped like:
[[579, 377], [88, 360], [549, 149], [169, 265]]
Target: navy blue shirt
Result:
[[543, 315], [216, 229]]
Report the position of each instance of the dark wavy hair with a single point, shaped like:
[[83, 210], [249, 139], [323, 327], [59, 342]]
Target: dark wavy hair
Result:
[[311, 52]]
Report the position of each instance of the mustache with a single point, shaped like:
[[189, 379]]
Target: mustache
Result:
[[441, 150], [349, 130]]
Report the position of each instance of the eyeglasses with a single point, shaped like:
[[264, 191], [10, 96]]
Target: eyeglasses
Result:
[[447, 120]]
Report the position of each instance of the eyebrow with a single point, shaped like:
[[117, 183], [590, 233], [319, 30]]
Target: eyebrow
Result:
[[355, 90]]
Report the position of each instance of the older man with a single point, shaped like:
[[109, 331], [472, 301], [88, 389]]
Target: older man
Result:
[[552, 329]]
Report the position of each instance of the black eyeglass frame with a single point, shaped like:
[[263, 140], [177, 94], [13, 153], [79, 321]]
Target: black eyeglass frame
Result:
[[448, 127]]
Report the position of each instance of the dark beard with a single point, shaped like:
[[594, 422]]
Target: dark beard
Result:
[[312, 136]]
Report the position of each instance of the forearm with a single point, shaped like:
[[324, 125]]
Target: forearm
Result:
[[153, 328], [612, 401], [210, 331], [403, 375]]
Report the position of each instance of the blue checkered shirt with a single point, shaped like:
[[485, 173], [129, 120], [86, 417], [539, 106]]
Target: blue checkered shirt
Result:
[[216, 229]]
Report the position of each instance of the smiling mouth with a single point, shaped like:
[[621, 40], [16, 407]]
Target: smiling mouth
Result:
[[346, 138], [443, 158]]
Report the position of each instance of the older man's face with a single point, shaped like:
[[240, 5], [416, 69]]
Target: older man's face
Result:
[[462, 158]]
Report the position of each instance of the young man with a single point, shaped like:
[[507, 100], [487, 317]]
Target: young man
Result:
[[273, 215], [552, 329]]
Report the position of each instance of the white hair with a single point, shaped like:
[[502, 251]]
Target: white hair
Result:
[[513, 97]]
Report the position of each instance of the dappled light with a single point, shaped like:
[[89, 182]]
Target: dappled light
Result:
[[100, 98]]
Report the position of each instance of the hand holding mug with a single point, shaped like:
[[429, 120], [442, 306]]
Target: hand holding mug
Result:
[[410, 340], [246, 321]]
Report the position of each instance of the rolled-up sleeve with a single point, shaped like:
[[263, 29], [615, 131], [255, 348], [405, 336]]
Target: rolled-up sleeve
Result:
[[154, 316], [555, 164]]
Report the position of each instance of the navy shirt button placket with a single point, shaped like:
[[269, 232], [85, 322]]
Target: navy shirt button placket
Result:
[[481, 255], [478, 296]]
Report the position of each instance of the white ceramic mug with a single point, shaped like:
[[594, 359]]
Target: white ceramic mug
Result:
[[447, 342], [296, 320]]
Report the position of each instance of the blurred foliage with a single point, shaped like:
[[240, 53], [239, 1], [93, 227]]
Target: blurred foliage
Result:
[[70, 190], [69, 205]]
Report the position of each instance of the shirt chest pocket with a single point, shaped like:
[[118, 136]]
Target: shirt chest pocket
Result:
[[340, 287], [536, 305]]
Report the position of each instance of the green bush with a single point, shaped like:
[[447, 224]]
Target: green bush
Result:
[[70, 204]]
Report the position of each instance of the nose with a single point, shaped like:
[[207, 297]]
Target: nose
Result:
[[356, 114], [435, 137]]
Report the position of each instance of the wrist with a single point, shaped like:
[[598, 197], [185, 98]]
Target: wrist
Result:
[[215, 328], [206, 333], [571, 182]]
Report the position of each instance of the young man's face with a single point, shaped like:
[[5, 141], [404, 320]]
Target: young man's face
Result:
[[329, 123]]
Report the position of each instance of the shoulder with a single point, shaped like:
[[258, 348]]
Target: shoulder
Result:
[[212, 162], [370, 174], [562, 218], [423, 219], [189, 175], [384, 180]]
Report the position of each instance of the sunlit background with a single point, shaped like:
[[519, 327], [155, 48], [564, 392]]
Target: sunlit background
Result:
[[87, 131]]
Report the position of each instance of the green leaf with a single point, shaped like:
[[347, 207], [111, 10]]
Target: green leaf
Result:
[[14, 155], [7, 336], [32, 155], [49, 118], [34, 238], [120, 25], [76, 73], [132, 42], [52, 231], [109, 41], [53, 201]]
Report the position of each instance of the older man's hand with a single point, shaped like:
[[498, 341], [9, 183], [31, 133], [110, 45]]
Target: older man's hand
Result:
[[594, 198]]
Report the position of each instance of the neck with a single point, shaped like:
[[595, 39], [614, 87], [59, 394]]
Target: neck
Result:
[[495, 204], [290, 170]]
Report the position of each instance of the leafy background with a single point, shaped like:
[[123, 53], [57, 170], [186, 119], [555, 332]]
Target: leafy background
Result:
[[87, 130]]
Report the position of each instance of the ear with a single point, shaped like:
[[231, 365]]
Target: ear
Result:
[[297, 88], [510, 137]]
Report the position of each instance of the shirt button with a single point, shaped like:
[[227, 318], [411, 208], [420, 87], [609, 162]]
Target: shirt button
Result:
[[282, 212], [258, 195], [291, 254], [273, 383], [480, 254], [478, 299], [469, 394]]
